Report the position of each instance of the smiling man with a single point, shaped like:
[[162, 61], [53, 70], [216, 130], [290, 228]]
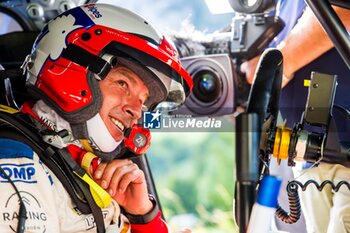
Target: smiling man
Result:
[[124, 95], [92, 71]]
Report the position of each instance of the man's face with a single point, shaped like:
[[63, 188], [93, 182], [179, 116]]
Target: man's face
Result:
[[123, 96]]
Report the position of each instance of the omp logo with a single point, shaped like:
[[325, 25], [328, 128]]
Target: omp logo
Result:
[[18, 173], [94, 11], [36, 218]]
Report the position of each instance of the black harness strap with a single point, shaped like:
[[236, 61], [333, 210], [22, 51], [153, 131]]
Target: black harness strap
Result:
[[76, 188], [96, 211], [11, 73]]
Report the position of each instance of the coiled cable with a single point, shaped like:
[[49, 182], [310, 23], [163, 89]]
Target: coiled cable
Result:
[[294, 205], [320, 186], [294, 200]]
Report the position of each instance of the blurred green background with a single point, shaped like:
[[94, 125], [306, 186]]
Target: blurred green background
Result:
[[194, 175]]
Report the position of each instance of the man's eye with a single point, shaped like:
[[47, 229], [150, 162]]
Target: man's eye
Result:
[[122, 83]]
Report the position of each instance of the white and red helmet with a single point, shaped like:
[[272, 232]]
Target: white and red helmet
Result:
[[78, 48]]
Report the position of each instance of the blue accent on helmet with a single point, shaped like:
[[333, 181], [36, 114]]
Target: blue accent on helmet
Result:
[[81, 18], [268, 191]]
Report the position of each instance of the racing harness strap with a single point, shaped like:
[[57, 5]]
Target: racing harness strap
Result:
[[13, 125]]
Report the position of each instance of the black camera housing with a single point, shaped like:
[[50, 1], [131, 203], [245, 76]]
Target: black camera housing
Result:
[[252, 34], [215, 88]]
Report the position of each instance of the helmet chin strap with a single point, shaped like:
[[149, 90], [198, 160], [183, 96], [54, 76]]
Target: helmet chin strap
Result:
[[99, 136], [101, 141]]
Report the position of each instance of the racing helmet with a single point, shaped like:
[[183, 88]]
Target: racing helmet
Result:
[[80, 46]]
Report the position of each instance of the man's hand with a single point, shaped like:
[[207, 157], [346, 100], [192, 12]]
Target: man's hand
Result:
[[248, 68], [126, 184]]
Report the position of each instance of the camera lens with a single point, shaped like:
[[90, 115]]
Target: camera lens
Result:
[[213, 85], [207, 86]]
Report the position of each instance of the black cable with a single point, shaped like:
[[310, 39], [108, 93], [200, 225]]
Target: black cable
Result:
[[294, 200], [294, 205], [22, 214], [264, 164], [322, 185]]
